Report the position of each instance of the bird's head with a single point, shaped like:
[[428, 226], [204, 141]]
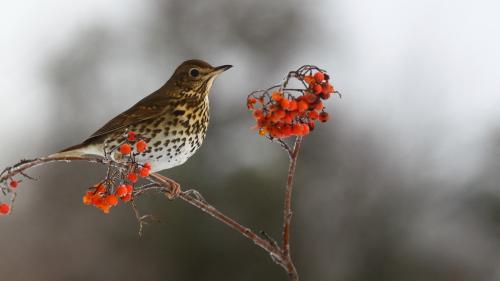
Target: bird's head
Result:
[[195, 77]]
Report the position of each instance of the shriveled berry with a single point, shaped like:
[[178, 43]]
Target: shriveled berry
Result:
[[323, 117], [4, 208], [125, 148], [251, 102], [141, 146]]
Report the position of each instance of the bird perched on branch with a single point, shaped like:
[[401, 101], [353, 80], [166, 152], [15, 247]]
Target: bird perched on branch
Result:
[[174, 120]]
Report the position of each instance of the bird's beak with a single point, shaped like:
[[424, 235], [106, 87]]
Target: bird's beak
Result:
[[219, 69]]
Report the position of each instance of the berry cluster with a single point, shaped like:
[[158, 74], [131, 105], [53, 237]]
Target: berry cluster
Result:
[[107, 193], [6, 207], [281, 114]]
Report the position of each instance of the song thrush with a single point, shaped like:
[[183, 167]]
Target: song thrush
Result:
[[174, 119]]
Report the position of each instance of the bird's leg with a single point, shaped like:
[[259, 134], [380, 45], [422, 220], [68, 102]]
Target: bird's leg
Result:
[[175, 188]]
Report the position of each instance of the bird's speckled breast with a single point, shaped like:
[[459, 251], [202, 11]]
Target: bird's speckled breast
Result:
[[174, 136]]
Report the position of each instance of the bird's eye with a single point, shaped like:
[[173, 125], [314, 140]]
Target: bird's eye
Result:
[[193, 72]]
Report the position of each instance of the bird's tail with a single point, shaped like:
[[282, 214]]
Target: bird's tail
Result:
[[78, 151]]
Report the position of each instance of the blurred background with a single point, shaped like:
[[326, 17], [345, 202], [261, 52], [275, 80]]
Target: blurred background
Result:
[[402, 184]]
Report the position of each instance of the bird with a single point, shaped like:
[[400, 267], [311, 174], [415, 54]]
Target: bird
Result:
[[174, 119]]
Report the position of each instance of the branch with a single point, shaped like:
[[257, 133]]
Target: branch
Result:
[[169, 187]]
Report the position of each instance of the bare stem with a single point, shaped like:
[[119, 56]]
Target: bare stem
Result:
[[287, 211]]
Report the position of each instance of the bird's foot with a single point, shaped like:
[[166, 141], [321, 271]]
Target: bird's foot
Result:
[[175, 189]]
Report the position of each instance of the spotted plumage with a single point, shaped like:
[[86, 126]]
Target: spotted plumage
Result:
[[174, 120]]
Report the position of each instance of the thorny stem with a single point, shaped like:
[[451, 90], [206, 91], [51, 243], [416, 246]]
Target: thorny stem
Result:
[[158, 182]]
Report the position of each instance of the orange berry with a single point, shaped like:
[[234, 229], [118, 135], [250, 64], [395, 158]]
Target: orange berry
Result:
[[121, 191], [127, 197], [317, 88], [319, 106], [280, 113], [293, 105], [324, 95], [258, 114], [323, 117], [125, 148], [302, 106], [87, 198], [4, 208], [308, 79], [131, 136], [105, 208], [285, 103], [101, 188], [286, 131], [111, 200], [313, 115], [328, 88], [277, 96], [144, 172], [141, 146], [310, 98], [305, 129], [132, 177], [13, 184], [319, 76]]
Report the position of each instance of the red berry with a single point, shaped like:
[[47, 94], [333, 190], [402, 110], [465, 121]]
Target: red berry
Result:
[[258, 114], [121, 191], [111, 200], [132, 177], [141, 146], [319, 76], [147, 165], [323, 117], [13, 183], [4, 208], [144, 172], [130, 188], [131, 136], [277, 96], [125, 148], [297, 129], [319, 106], [293, 105], [324, 95]]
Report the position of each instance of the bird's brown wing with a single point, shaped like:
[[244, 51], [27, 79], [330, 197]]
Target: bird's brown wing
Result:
[[148, 108]]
